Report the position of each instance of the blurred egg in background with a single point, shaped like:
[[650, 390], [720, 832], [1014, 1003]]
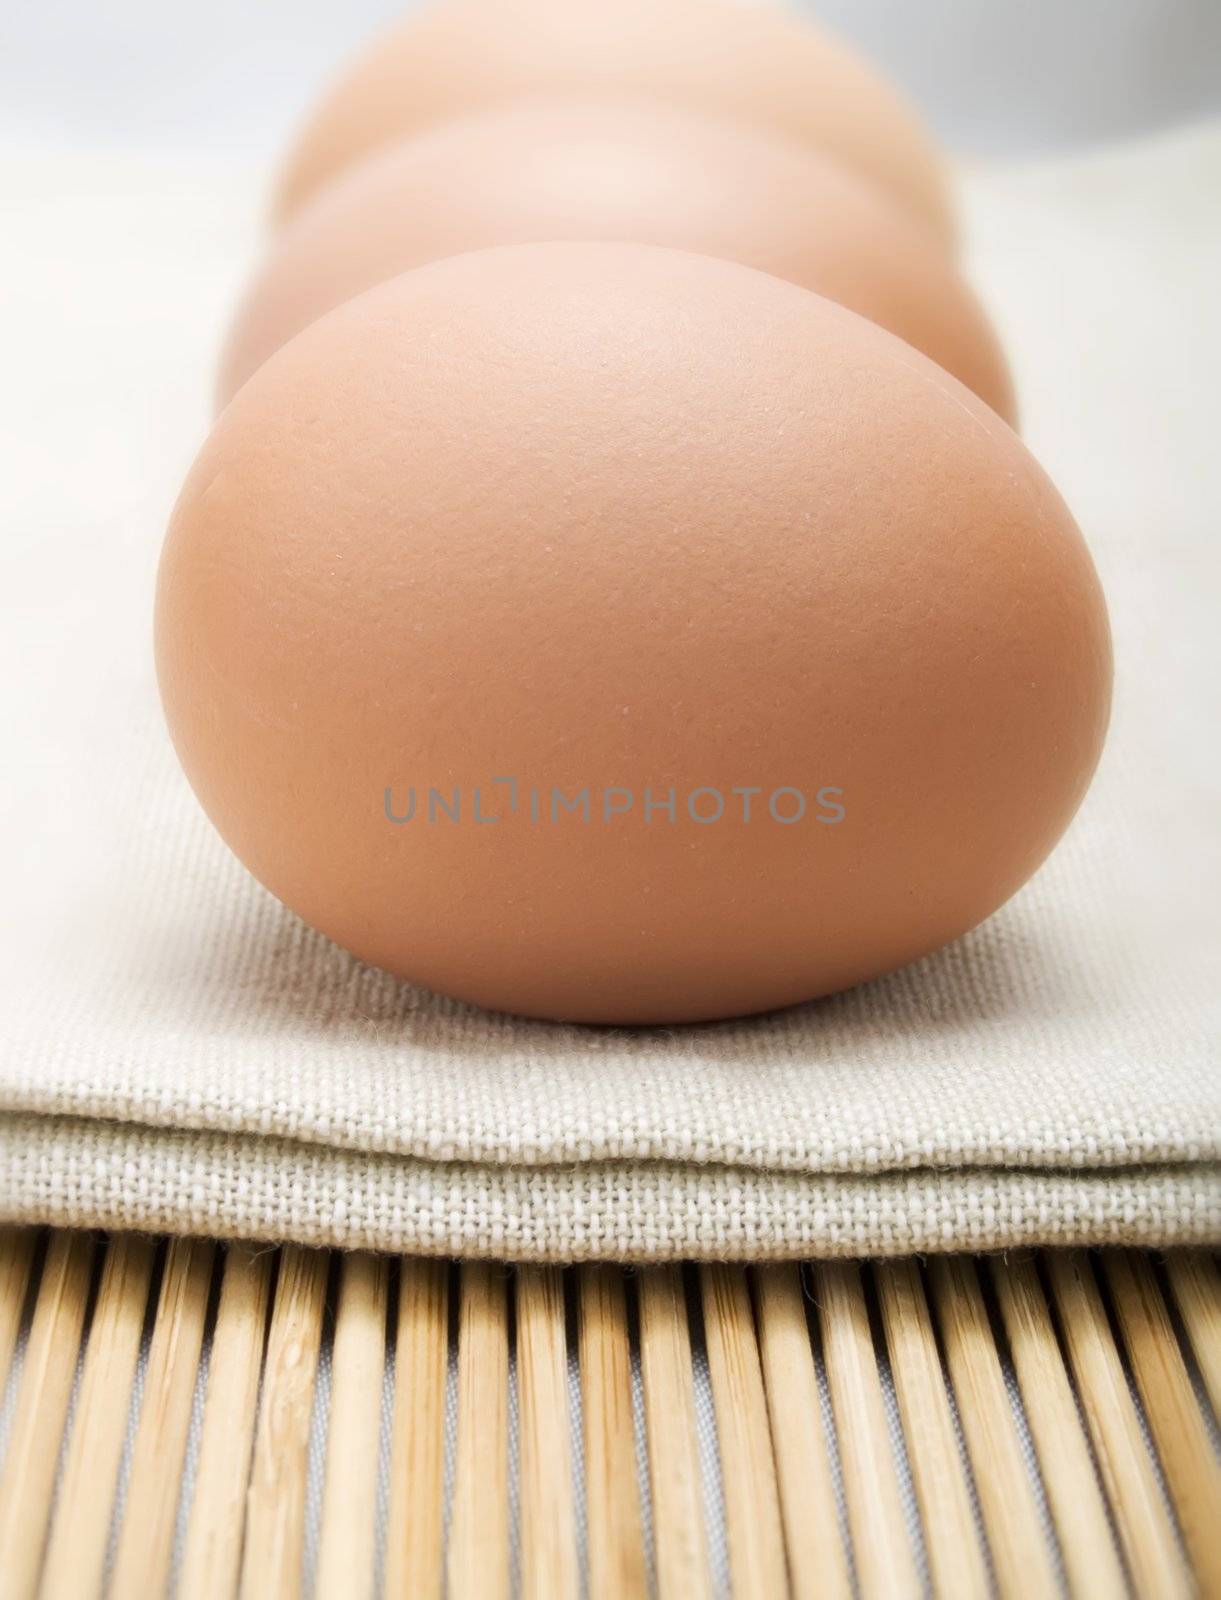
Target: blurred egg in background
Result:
[[760, 66], [639, 171]]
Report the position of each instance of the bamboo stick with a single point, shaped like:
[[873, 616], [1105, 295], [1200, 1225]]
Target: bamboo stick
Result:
[[818, 1565], [76, 1550], [478, 1557], [1091, 1560], [1020, 1555], [783, 1466], [1197, 1291], [28, 1482], [1174, 1417], [150, 1511], [1145, 1530], [358, 1366], [748, 1472], [275, 1504], [885, 1563], [956, 1559], [674, 1467], [615, 1534], [415, 1510], [16, 1259], [548, 1514], [213, 1553]]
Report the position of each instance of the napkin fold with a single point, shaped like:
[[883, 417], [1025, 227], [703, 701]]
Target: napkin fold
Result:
[[177, 1052]]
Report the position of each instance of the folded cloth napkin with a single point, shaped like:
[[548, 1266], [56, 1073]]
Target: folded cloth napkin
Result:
[[178, 1052]]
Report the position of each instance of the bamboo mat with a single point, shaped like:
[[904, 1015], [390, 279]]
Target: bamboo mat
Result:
[[180, 1417]]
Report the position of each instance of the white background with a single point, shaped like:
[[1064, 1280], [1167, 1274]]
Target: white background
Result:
[[1008, 77]]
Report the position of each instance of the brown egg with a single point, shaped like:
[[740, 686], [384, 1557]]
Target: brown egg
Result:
[[756, 66], [612, 633], [646, 173]]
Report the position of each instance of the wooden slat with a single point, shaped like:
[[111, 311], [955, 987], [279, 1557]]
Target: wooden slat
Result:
[[245, 1528], [358, 1364], [142, 1560], [817, 1561], [76, 1550], [1020, 1555], [548, 1514], [885, 1562], [275, 1504], [416, 1503], [1175, 1420], [28, 1481], [616, 1541], [1197, 1292], [748, 1474], [955, 1556], [1145, 1530], [1091, 1560], [478, 1557], [680, 1543], [16, 1259], [213, 1552]]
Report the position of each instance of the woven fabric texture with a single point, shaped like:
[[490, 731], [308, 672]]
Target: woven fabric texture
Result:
[[178, 1052]]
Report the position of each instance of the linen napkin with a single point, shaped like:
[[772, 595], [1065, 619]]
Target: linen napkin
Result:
[[177, 1052]]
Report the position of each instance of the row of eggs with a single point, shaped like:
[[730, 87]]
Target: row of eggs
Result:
[[610, 418]]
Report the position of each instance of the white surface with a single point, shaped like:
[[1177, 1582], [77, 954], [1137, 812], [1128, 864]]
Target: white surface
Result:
[[177, 1052]]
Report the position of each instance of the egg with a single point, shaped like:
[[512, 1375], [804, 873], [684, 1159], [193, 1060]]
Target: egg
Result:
[[637, 172], [612, 633], [758, 66]]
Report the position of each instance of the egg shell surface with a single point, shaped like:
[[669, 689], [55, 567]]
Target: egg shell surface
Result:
[[567, 519]]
